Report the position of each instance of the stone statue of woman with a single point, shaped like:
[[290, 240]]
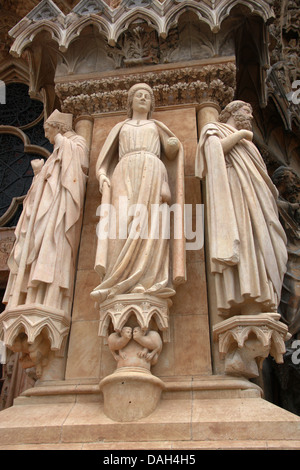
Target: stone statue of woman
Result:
[[42, 261], [247, 243], [141, 165]]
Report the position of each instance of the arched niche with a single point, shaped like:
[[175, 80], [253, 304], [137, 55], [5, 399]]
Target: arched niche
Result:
[[87, 53]]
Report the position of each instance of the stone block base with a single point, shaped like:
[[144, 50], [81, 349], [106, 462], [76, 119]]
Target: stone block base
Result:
[[187, 417], [130, 393]]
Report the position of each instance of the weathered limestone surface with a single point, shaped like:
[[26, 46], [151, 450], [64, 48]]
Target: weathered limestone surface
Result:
[[188, 313], [207, 423], [193, 76]]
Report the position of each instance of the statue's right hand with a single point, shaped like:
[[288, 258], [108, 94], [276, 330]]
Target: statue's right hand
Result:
[[103, 179]]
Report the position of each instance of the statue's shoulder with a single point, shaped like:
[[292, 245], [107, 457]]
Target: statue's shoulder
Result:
[[162, 128], [211, 128], [114, 132], [117, 127], [160, 124], [218, 129]]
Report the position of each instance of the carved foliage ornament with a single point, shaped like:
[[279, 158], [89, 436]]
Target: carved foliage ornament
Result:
[[180, 86]]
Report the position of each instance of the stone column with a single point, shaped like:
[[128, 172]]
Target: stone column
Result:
[[207, 111], [84, 127]]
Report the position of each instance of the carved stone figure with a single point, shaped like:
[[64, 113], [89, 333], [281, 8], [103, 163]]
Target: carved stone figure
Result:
[[132, 170], [246, 340], [42, 260], [288, 185], [32, 355], [151, 342], [117, 341], [131, 391], [247, 243]]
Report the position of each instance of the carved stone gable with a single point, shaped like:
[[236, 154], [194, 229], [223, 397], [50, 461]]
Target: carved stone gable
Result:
[[87, 7], [45, 10]]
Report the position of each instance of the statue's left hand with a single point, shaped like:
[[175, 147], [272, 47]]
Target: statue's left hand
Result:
[[103, 179], [172, 147]]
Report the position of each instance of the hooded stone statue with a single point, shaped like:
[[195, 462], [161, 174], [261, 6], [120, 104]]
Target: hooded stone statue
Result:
[[42, 261]]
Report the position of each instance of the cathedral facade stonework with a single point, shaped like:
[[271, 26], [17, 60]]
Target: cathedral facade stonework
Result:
[[149, 225]]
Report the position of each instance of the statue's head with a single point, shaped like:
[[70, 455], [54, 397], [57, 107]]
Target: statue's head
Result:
[[126, 332], [56, 123], [240, 112], [131, 93], [137, 331]]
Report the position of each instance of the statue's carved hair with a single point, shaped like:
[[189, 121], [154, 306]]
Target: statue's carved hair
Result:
[[63, 128], [231, 109]]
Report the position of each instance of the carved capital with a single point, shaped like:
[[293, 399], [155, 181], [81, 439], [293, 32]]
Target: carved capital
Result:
[[35, 354], [32, 320], [144, 307], [246, 340]]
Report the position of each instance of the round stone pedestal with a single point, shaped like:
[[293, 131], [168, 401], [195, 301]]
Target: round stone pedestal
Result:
[[130, 393]]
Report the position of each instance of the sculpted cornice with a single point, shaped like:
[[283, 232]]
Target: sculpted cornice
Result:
[[214, 82]]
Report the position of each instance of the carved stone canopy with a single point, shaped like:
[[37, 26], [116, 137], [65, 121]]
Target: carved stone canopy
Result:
[[128, 34], [144, 308], [112, 22]]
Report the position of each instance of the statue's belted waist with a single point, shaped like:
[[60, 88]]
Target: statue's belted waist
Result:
[[139, 153]]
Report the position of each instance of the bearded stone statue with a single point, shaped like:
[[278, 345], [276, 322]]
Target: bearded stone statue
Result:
[[247, 243]]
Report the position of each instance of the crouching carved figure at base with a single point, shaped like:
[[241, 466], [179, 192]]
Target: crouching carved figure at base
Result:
[[247, 243], [135, 347]]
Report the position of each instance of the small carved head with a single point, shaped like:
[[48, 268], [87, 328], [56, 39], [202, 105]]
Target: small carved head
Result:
[[137, 331], [56, 123], [126, 332], [287, 182]]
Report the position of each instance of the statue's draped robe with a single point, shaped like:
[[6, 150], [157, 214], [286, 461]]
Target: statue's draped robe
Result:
[[131, 157], [247, 243], [60, 188]]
